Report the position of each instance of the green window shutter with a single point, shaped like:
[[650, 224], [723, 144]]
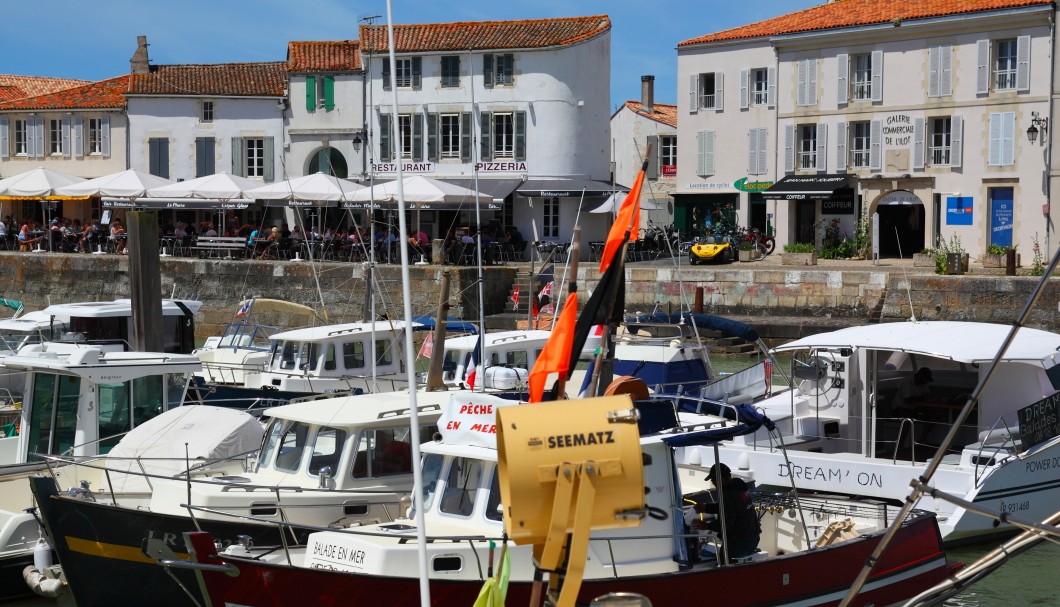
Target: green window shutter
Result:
[[417, 66], [432, 137], [653, 160], [486, 143], [417, 137], [487, 71], [329, 93], [385, 155], [310, 93], [237, 156], [520, 135], [270, 158], [200, 156], [465, 136], [386, 74], [509, 64]]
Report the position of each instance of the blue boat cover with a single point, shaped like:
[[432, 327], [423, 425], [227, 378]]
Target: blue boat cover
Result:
[[454, 325], [704, 321]]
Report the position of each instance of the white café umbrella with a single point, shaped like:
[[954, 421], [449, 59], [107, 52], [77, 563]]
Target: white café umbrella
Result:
[[424, 192], [219, 186], [315, 187], [36, 183], [131, 184]]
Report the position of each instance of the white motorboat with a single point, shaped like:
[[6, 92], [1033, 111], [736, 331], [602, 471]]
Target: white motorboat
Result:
[[844, 435]]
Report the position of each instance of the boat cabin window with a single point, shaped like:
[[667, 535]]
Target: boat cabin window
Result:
[[329, 357], [493, 511], [449, 363], [327, 449], [353, 355], [291, 446], [384, 353], [283, 357], [517, 359], [53, 417], [114, 413], [495, 359], [461, 486], [432, 474], [386, 451], [310, 353], [272, 438]]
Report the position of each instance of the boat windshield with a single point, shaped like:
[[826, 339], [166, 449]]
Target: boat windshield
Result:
[[272, 437], [13, 340], [461, 487], [432, 472], [240, 335], [493, 504]]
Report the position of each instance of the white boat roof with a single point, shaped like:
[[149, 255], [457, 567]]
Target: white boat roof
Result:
[[960, 341], [362, 409], [118, 307], [98, 365], [656, 352], [28, 322], [332, 331], [499, 338]]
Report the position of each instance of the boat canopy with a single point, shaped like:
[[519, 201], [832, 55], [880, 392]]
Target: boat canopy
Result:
[[279, 306], [968, 342], [454, 325], [727, 326]]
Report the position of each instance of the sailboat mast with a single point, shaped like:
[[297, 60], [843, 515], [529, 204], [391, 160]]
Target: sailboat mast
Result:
[[478, 231]]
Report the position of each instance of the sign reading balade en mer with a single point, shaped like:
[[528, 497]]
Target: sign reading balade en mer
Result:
[[1040, 421]]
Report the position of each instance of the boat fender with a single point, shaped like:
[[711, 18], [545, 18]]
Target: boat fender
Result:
[[42, 553], [45, 583]]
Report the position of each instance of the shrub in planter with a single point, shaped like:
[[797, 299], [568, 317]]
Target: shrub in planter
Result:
[[799, 254]]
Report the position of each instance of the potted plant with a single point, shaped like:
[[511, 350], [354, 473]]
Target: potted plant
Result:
[[747, 251], [996, 256], [799, 254], [950, 257]]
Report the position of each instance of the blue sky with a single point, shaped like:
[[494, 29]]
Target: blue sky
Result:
[[94, 40]]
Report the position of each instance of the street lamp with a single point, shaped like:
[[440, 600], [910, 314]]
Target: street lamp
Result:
[[1037, 123], [357, 142]]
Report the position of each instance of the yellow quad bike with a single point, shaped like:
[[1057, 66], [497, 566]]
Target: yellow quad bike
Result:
[[712, 249]]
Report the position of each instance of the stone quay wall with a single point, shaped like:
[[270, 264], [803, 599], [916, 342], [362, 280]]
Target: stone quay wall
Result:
[[828, 298]]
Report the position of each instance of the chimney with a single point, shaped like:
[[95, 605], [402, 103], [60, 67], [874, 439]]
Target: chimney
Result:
[[647, 94], [139, 62]]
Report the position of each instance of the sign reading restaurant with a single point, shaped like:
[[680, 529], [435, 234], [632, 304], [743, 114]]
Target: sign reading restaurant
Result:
[[429, 167]]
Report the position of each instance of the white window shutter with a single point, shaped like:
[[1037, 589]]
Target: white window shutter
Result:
[[875, 145], [822, 147], [104, 138], [1008, 138], [994, 151], [842, 71], [789, 148], [763, 151], [79, 137], [800, 94], [841, 146], [719, 91], [771, 87], [956, 139], [877, 75], [709, 155], [918, 144], [811, 82], [701, 153], [752, 151], [982, 74], [66, 126], [745, 87], [693, 94], [933, 71], [5, 149], [1023, 63], [945, 70]]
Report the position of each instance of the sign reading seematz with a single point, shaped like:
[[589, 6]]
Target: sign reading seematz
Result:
[[1040, 421]]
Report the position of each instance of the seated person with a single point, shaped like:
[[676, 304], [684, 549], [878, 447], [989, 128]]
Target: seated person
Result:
[[117, 235], [25, 240], [742, 528]]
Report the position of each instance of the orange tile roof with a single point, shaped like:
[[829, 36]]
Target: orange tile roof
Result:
[[853, 13], [227, 79], [13, 87], [484, 35], [105, 94], [664, 113], [325, 56]]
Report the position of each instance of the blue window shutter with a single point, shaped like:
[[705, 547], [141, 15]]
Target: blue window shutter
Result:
[[270, 159], [310, 93], [417, 69], [485, 139], [520, 135], [432, 137], [465, 136], [237, 156], [200, 156], [487, 71], [329, 93], [105, 135], [417, 136], [385, 155]]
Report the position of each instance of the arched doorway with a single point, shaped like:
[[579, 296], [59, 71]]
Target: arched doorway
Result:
[[328, 161], [901, 224]]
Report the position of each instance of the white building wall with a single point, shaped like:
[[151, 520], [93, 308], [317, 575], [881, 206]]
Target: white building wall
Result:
[[309, 131], [629, 135]]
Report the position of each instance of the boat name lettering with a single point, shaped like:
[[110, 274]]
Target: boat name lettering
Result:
[[837, 475], [339, 553], [1015, 506], [470, 409], [169, 539], [1047, 463], [560, 441], [106, 377]]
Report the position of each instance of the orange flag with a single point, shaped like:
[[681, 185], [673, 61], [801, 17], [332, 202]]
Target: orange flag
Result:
[[555, 356], [627, 220]]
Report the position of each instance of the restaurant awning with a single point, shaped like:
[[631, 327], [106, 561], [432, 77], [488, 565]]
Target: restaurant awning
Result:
[[497, 188], [567, 188], [176, 204], [834, 187]]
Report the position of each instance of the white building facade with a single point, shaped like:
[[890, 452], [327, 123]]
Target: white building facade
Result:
[[915, 114]]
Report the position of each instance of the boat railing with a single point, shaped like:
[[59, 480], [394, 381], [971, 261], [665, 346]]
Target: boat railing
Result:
[[229, 372], [902, 424], [1000, 428]]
